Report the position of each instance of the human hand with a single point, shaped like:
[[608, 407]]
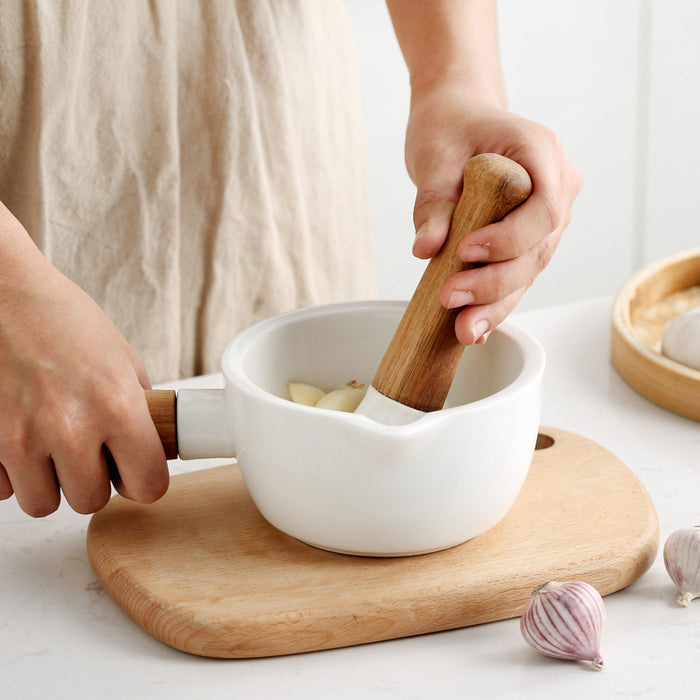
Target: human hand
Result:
[[447, 126], [73, 409]]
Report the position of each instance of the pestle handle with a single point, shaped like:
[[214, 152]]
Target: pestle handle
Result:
[[421, 360]]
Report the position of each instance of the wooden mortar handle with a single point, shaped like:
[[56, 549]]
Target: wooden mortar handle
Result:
[[421, 360], [162, 405]]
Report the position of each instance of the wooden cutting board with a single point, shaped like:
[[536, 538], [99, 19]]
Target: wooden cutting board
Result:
[[202, 571]]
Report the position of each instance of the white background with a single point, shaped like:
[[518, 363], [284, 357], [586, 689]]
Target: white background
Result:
[[617, 80]]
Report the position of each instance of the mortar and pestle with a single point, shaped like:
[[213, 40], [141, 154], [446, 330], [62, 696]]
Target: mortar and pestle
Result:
[[441, 445]]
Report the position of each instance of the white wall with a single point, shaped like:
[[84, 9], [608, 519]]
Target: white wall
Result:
[[617, 79], [671, 207], [385, 93]]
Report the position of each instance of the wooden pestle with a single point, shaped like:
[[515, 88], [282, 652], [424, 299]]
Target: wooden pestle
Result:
[[420, 363]]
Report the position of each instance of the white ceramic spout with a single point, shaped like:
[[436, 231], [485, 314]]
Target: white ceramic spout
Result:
[[202, 424]]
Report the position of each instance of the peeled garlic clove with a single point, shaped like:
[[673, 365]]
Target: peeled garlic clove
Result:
[[681, 338], [347, 399], [304, 393], [682, 561], [565, 620]]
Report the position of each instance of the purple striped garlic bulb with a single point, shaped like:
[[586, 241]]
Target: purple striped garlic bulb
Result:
[[565, 620], [682, 561]]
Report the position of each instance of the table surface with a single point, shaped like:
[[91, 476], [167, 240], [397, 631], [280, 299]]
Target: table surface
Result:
[[62, 636]]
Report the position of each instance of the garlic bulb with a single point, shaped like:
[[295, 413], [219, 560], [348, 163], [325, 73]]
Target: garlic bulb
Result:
[[681, 339], [682, 561], [565, 620]]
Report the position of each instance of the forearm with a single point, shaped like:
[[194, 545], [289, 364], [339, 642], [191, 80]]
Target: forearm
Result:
[[458, 110], [71, 391], [450, 39]]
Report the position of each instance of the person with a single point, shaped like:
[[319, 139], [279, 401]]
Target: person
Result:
[[181, 170]]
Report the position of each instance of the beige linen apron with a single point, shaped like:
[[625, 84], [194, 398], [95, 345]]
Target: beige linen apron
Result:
[[194, 166]]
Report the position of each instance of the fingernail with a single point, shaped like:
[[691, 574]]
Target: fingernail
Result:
[[459, 298], [476, 253], [479, 328]]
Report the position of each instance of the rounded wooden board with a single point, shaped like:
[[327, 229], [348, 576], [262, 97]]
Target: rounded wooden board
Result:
[[202, 570], [649, 300]]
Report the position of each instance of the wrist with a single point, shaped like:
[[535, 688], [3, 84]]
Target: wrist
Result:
[[478, 88], [455, 42], [21, 263]]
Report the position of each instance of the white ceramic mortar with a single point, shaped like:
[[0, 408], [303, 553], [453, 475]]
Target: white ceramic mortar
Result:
[[343, 482]]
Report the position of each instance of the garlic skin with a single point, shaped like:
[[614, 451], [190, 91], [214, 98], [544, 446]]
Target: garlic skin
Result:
[[565, 621], [682, 561], [681, 338]]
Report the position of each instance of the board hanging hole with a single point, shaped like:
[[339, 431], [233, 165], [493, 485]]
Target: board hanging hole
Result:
[[543, 441]]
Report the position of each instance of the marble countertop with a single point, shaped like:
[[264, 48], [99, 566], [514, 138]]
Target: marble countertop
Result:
[[62, 636]]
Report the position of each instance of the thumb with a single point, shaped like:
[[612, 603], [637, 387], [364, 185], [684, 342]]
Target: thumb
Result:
[[432, 213]]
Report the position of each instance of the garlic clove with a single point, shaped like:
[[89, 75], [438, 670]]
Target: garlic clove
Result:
[[565, 621], [681, 338], [347, 399], [682, 561], [305, 394]]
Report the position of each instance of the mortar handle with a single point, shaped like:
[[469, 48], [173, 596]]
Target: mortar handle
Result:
[[192, 423], [162, 405], [421, 360]]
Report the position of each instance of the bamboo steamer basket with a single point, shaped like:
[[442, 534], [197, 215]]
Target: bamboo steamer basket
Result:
[[647, 302]]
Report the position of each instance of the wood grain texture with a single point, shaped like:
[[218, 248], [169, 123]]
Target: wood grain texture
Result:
[[639, 361], [420, 362], [162, 404], [202, 571]]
